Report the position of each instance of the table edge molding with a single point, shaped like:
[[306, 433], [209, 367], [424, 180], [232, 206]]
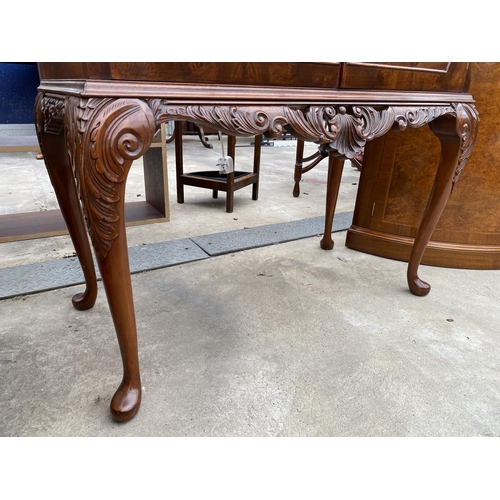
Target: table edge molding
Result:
[[205, 93]]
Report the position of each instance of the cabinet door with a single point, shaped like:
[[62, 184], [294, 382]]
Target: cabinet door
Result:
[[429, 76], [268, 74], [283, 74]]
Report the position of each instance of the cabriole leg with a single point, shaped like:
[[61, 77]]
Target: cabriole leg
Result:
[[49, 116], [457, 137], [335, 168], [109, 134]]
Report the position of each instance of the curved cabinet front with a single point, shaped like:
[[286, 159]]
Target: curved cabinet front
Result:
[[397, 178]]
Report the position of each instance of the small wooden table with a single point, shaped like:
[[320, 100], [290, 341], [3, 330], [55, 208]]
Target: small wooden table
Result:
[[94, 119]]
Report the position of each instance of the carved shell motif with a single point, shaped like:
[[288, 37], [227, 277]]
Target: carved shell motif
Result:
[[344, 132]]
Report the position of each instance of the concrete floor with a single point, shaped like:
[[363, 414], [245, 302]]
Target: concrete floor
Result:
[[284, 340]]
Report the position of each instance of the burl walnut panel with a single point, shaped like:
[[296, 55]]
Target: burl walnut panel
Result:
[[452, 76], [318, 75], [393, 195]]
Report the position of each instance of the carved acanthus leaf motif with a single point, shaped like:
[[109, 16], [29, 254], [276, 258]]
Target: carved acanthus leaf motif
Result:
[[316, 124], [52, 108], [344, 129], [110, 134], [237, 120], [415, 117], [467, 127], [38, 117]]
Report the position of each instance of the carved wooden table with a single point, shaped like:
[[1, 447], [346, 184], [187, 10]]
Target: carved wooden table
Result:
[[94, 119]]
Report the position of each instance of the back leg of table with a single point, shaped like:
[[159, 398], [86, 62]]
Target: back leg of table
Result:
[[335, 168], [61, 176]]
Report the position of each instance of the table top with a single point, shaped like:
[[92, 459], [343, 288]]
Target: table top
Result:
[[289, 84]]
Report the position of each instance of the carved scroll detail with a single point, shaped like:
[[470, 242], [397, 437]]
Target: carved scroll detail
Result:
[[344, 129], [415, 117], [239, 120], [52, 108], [104, 137], [467, 128]]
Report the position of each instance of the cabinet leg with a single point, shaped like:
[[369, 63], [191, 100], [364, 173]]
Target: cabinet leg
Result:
[[117, 283], [116, 132], [57, 161], [335, 168], [202, 137], [457, 137]]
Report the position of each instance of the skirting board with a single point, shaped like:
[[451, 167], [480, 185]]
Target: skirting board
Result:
[[439, 254]]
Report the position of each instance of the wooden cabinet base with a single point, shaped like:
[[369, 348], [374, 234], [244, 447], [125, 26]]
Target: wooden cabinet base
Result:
[[441, 254], [397, 177]]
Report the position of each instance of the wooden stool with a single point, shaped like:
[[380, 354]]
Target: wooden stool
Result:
[[211, 179]]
